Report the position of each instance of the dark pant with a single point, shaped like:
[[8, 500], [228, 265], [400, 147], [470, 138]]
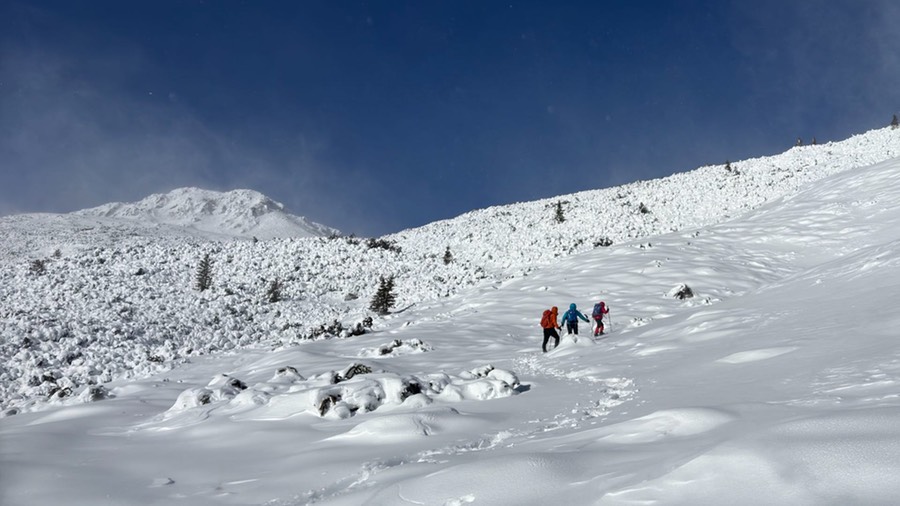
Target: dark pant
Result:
[[599, 329], [548, 333], [572, 327]]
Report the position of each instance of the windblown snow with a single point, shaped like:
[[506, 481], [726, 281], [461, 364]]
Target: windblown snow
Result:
[[238, 213], [774, 380]]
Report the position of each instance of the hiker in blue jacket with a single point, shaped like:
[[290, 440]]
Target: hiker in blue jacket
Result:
[[571, 318]]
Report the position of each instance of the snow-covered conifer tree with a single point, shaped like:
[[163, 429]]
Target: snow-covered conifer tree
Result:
[[384, 298], [203, 280]]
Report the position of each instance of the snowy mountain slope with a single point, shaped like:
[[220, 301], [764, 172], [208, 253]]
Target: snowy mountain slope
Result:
[[525, 234], [238, 213], [38, 236], [122, 285], [776, 384]]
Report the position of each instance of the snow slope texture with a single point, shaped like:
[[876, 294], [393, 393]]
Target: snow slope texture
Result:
[[776, 383], [117, 298], [239, 213]]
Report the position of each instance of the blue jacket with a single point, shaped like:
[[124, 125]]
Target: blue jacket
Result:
[[573, 314]]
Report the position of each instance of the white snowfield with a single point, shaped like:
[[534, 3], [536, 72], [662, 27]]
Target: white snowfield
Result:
[[778, 382], [237, 213]]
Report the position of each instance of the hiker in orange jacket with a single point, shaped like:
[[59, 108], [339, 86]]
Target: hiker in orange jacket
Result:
[[550, 326]]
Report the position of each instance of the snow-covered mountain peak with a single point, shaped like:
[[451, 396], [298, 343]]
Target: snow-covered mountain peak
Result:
[[241, 213]]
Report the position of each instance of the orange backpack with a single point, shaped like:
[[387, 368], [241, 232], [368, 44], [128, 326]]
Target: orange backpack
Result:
[[545, 320]]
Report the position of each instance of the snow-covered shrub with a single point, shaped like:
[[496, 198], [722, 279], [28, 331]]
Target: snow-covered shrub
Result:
[[386, 349], [396, 347], [353, 370], [273, 292], [505, 376], [192, 398], [221, 388], [410, 387], [326, 401], [38, 267], [287, 374], [384, 244], [681, 292], [489, 371], [478, 372], [59, 393], [227, 384], [95, 393], [335, 329]]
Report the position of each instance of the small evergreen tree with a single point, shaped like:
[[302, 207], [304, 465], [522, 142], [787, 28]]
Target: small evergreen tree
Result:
[[728, 165], [203, 279], [273, 293], [384, 297], [448, 257], [894, 122], [558, 215]]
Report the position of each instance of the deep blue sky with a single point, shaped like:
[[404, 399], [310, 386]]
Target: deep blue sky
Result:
[[377, 116]]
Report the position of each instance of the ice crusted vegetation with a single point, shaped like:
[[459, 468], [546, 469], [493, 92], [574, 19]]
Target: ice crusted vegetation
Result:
[[126, 290], [749, 355], [358, 388]]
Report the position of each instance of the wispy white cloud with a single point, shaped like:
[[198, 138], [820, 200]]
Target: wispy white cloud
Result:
[[70, 143], [822, 58]]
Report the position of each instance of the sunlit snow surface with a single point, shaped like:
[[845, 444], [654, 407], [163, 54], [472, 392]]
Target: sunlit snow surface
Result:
[[777, 383], [237, 213]]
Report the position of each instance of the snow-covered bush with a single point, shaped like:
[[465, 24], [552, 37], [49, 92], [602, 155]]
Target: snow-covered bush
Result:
[[273, 292], [681, 292], [38, 267]]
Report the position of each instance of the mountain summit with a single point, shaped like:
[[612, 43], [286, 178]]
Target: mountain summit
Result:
[[238, 213]]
